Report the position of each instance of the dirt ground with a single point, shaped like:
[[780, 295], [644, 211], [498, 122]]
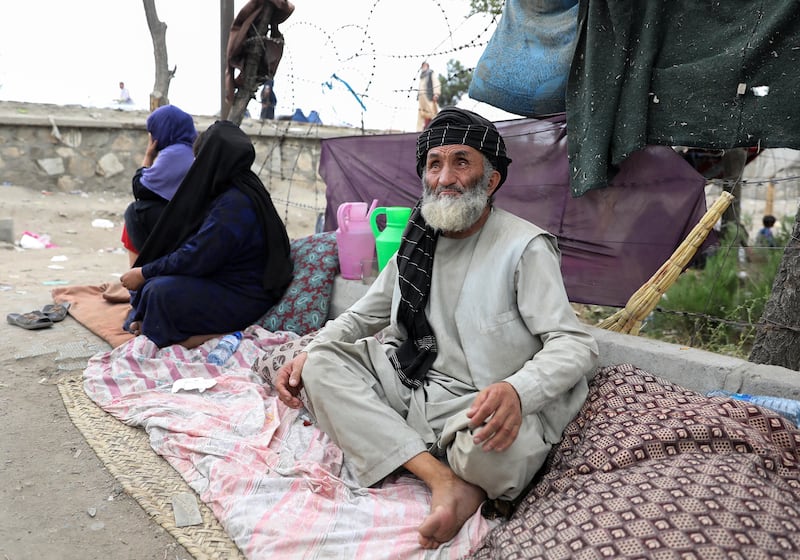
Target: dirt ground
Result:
[[51, 479]]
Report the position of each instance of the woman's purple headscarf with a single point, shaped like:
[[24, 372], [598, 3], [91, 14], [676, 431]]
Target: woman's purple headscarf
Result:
[[170, 125], [175, 133]]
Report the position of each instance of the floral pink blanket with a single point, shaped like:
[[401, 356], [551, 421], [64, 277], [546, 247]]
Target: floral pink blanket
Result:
[[276, 483]]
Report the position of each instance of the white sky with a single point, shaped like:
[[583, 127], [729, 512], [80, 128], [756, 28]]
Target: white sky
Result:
[[77, 52]]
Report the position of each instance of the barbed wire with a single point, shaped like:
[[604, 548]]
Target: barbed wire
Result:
[[287, 202], [299, 205], [755, 181], [365, 56], [763, 323], [362, 63]]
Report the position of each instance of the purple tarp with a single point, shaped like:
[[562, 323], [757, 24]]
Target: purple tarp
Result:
[[612, 239]]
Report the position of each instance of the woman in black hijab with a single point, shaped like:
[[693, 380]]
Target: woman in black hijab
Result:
[[218, 258]]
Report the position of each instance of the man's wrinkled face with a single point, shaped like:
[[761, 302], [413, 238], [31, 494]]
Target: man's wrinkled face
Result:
[[456, 186]]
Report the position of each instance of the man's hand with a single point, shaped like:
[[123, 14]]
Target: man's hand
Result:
[[133, 279], [288, 381], [498, 410]]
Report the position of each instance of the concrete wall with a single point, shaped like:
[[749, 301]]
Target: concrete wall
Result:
[[55, 148], [695, 369]]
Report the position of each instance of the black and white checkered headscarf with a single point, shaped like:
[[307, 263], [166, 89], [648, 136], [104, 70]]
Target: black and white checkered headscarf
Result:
[[415, 256], [459, 126]]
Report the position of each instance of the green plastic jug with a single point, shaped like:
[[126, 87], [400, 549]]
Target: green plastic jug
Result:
[[387, 240]]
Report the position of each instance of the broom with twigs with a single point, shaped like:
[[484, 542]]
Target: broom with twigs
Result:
[[644, 300]]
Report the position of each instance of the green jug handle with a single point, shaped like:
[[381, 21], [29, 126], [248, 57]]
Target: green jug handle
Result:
[[372, 220]]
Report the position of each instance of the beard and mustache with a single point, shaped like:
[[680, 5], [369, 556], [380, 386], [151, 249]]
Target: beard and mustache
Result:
[[455, 213]]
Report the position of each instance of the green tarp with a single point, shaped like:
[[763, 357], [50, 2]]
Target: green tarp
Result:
[[698, 73]]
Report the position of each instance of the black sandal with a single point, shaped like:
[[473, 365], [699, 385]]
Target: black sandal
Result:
[[56, 311], [31, 321]]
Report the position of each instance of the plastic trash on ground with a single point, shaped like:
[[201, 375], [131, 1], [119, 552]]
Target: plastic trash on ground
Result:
[[102, 223], [30, 240]]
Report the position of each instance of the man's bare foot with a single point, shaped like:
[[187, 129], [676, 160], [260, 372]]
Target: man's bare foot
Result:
[[135, 328], [453, 502]]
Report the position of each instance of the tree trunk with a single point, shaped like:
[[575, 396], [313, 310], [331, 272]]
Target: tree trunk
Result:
[[777, 340], [250, 77], [158, 31]]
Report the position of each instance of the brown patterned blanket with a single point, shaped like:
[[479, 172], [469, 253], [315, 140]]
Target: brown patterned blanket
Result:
[[649, 469]]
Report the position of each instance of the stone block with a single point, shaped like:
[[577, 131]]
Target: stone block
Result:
[[80, 166], [109, 165], [186, 510], [52, 166], [125, 143]]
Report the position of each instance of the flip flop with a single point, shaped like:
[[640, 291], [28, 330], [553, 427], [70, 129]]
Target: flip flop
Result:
[[56, 311], [31, 321]]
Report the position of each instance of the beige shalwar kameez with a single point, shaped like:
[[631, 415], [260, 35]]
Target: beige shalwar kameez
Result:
[[485, 291]]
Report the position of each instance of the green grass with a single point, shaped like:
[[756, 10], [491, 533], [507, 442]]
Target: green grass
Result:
[[714, 308]]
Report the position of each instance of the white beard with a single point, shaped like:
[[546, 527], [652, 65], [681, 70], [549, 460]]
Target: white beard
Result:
[[455, 213]]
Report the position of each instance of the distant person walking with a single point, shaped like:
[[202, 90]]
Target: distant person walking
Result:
[[124, 95], [427, 96], [268, 100]]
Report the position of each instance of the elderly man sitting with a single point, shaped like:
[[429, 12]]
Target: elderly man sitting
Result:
[[481, 362]]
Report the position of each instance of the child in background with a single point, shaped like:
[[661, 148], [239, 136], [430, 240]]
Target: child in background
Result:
[[764, 237]]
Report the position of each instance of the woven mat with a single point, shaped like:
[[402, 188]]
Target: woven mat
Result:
[[144, 475]]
